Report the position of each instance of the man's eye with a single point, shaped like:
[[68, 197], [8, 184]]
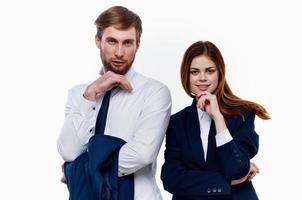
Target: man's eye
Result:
[[111, 42], [128, 43]]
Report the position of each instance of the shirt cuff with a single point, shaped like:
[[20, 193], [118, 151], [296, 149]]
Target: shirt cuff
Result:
[[223, 137], [86, 107]]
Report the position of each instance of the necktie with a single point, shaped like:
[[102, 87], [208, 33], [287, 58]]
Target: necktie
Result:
[[99, 130], [102, 115]]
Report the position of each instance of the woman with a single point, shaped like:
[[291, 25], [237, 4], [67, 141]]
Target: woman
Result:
[[210, 143]]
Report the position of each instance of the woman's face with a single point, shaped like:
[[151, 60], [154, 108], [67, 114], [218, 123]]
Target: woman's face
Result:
[[204, 75]]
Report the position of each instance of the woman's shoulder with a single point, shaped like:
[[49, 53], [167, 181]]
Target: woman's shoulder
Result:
[[181, 114], [245, 114]]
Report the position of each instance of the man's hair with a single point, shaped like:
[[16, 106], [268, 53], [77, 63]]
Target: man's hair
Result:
[[120, 18]]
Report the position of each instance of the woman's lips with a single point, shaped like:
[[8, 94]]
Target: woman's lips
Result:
[[203, 87]]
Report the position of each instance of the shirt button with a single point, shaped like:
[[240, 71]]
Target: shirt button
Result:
[[123, 174], [93, 108], [90, 130]]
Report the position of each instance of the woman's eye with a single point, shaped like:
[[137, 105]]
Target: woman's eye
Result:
[[210, 71], [194, 72]]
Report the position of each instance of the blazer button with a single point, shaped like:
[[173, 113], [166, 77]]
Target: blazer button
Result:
[[208, 190]]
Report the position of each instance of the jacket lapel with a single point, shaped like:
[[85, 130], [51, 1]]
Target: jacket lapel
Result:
[[192, 125], [211, 145]]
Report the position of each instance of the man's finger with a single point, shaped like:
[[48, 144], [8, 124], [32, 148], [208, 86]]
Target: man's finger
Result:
[[63, 179]]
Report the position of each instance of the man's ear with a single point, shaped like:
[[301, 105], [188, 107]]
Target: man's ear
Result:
[[137, 45], [97, 41]]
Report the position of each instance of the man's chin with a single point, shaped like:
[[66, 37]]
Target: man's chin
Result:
[[122, 69], [119, 70]]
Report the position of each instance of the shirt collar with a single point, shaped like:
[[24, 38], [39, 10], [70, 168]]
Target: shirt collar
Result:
[[203, 115], [129, 75]]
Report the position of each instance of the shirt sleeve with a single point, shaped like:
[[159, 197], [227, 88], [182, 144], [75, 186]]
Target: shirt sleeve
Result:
[[142, 149], [223, 137], [78, 125]]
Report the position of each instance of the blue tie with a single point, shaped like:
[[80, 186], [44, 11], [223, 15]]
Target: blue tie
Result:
[[102, 115], [99, 130]]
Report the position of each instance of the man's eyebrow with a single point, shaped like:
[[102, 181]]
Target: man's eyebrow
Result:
[[129, 40], [111, 38]]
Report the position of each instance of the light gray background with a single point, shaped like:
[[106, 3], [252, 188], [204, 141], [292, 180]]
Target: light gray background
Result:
[[46, 47]]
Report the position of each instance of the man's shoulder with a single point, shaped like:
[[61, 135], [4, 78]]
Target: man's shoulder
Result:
[[79, 88], [150, 83]]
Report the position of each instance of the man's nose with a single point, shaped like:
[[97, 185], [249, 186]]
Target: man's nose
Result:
[[119, 51]]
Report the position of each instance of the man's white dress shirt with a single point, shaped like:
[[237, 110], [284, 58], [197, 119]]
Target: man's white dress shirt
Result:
[[139, 117]]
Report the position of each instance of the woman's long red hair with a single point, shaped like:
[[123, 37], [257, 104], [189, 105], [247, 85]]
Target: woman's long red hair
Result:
[[229, 103]]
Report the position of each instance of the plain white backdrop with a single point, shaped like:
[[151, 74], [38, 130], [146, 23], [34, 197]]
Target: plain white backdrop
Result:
[[46, 47]]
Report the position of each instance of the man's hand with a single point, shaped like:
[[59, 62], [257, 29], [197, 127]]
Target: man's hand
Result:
[[106, 82], [63, 179]]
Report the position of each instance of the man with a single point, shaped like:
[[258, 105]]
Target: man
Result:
[[139, 108]]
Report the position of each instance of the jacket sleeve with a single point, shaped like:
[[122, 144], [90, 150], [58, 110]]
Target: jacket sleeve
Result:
[[179, 180], [235, 155]]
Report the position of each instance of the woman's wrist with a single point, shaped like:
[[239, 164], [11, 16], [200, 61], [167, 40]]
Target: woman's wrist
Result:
[[219, 122]]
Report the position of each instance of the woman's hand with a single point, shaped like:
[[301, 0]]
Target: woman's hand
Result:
[[208, 103], [250, 175], [253, 171]]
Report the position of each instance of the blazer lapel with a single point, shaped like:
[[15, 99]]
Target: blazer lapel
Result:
[[211, 146], [192, 125]]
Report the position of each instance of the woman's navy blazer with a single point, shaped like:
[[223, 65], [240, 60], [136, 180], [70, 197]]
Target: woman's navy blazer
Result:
[[188, 176]]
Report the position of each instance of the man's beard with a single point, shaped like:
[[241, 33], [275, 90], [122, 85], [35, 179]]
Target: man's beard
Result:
[[119, 70]]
